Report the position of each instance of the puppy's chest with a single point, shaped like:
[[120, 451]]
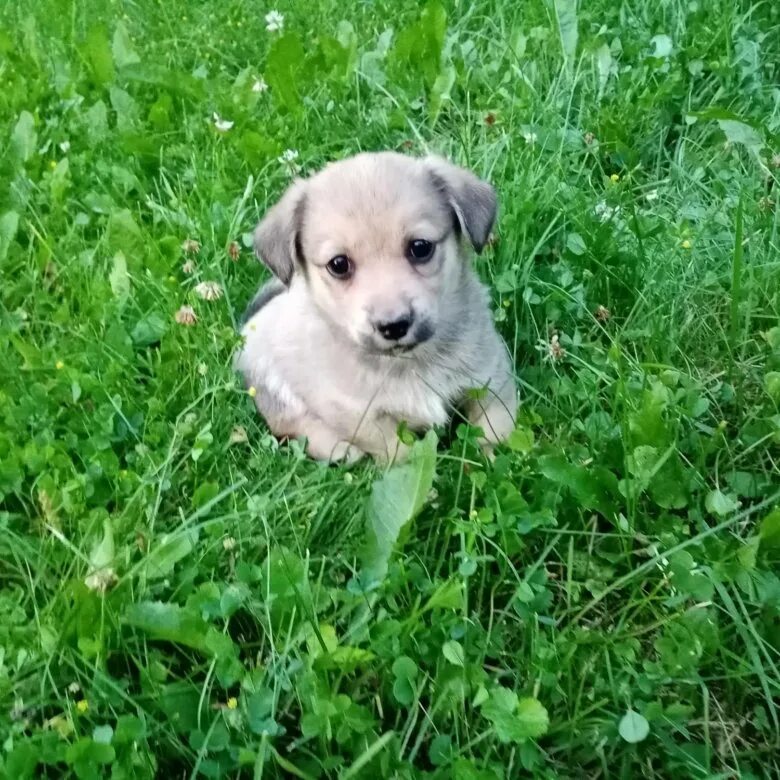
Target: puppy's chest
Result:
[[419, 400]]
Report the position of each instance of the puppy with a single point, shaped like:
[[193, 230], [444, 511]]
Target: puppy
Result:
[[375, 317]]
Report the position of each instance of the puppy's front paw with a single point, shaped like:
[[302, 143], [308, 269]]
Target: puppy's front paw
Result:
[[346, 453], [333, 451]]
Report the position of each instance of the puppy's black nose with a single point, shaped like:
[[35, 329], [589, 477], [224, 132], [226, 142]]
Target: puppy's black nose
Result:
[[395, 330]]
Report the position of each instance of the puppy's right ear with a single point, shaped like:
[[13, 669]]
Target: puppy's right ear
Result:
[[277, 235]]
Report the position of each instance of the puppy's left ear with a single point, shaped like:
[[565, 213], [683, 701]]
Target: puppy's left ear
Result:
[[473, 200], [277, 235]]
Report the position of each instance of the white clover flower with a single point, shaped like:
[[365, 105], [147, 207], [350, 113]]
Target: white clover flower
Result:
[[65, 147], [239, 435], [223, 125], [287, 159], [101, 580], [530, 138], [209, 291], [259, 85], [606, 213], [186, 316], [274, 21]]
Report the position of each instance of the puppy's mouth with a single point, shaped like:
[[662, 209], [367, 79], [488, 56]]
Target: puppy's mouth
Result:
[[403, 348]]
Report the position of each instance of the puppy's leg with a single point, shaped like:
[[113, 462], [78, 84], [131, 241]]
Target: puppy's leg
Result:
[[323, 443], [287, 417], [379, 437], [495, 413]]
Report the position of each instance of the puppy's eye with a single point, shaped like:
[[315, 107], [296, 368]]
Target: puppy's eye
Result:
[[340, 267], [420, 250]]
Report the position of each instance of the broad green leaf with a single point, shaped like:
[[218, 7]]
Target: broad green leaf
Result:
[[149, 329], [396, 499], [405, 668], [575, 244], [126, 109], [24, 139], [103, 553], [513, 720], [595, 488], [769, 530], [97, 52], [259, 708], [21, 761], [720, 503], [633, 727], [103, 735], [418, 48], [566, 11], [95, 122], [204, 493], [125, 235], [453, 652], [741, 133], [772, 337], [83, 754], [284, 70], [122, 48], [182, 625], [119, 279], [604, 63], [521, 440], [59, 181], [772, 385], [170, 550], [9, 224], [129, 729], [448, 595], [440, 751], [532, 717], [441, 91], [662, 46], [284, 589]]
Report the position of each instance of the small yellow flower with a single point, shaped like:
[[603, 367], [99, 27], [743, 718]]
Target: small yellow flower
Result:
[[59, 365], [506, 303], [252, 391], [82, 705], [686, 244], [232, 703], [52, 164], [614, 178]]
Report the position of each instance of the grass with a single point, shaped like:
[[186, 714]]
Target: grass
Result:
[[181, 596]]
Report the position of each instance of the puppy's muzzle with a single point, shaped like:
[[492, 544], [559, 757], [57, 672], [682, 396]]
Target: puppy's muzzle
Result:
[[395, 330], [402, 333]]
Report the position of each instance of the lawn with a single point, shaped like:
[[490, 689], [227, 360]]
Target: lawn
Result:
[[182, 596]]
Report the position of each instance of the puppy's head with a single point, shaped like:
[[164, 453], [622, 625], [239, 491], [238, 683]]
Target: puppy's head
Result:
[[378, 240]]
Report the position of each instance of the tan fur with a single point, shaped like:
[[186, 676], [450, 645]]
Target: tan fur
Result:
[[314, 353]]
